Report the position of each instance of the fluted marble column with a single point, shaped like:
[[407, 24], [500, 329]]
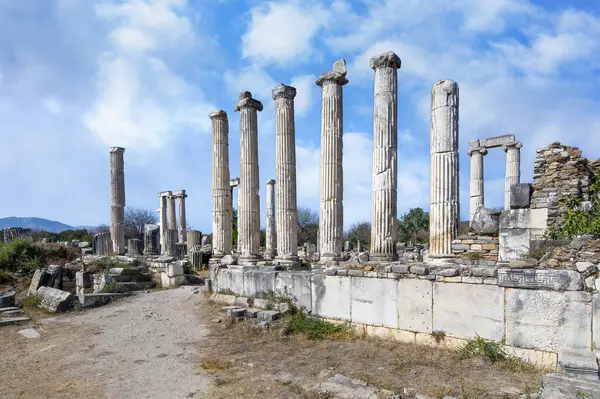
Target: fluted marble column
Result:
[[221, 188], [476, 186], [163, 221], [182, 231], [117, 199], [513, 169], [444, 214], [331, 211], [285, 144], [235, 182], [270, 216], [171, 212], [249, 200], [385, 157]]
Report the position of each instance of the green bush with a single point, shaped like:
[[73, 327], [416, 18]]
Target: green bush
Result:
[[579, 222], [114, 288], [315, 328], [487, 349], [25, 255]]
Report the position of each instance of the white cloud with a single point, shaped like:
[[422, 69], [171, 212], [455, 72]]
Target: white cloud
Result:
[[306, 90], [253, 79], [283, 33]]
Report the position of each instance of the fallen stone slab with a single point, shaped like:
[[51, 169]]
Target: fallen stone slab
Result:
[[54, 300], [12, 320], [579, 364], [7, 299], [268, 315], [236, 313], [252, 313], [29, 333], [8, 309], [98, 299], [12, 312], [557, 386], [38, 280]]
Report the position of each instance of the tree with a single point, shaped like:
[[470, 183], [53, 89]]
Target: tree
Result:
[[359, 231], [102, 229], [308, 226], [136, 219], [413, 226]]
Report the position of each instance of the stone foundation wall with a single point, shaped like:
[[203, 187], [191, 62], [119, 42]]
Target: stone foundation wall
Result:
[[476, 247], [559, 172], [536, 313]]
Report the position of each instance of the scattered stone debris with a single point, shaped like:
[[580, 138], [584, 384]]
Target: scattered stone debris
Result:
[[30, 333], [54, 300]]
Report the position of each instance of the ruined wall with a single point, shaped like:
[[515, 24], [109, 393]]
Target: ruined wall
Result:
[[559, 172]]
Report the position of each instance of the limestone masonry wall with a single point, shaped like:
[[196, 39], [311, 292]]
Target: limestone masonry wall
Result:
[[476, 247], [534, 313], [559, 172]]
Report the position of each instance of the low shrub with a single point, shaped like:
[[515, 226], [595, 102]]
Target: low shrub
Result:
[[315, 328], [487, 349], [26, 255], [31, 302], [114, 288]]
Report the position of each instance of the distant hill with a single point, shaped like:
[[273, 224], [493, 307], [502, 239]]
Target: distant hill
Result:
[[35, 224]]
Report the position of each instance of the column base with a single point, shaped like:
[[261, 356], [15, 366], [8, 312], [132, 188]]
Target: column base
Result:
[[269, 255], [215, 260], [383, 258], [288, 261], [248, 260], [327, 260]]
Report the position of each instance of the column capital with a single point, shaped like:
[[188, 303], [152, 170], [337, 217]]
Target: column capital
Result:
[[117, 149], [283, 91], [272, 181], [389, 59], [336, 76], [179, 194], [480, 150], [234, 182], [164, 193], [246, 101], [517, 144], [218, 113]]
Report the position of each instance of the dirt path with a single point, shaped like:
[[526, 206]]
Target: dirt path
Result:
[[144, 346]]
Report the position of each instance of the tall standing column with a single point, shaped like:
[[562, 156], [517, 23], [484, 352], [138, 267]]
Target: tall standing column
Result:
[[476, 186], [513, 169], [249, 199], [163, 221], [117, 199], [171, 212], [235, 182], [222, 189], [331, 210], [285, 154], [182, 231], [270, 216], [444, 214], [385, 157]]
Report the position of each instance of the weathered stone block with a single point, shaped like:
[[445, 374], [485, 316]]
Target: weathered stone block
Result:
[[174, 269], [331, 296], [374, 301], [548, 320], [258, 283], [400, 269], [514, 244], [7, 299], [268, 315], [54, 300], [419, 270], [295, 285], [171, 281], [467, 310], [229, 279], [485, 221], [483, 272], [415, 305], [520, 196], [39, 279], [557, 280]]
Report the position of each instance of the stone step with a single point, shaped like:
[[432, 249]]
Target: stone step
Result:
[[557, 386], [581, 364], [12, 312], [13, 320], [138, 285], [98, 299], [2, 310]]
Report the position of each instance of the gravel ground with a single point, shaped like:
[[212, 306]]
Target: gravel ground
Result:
[[143, 346]]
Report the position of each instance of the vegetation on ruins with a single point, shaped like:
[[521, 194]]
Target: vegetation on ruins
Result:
[[136, 219], [27, 255], [308, 225], [316, 328], [579, 221], [413, 226]]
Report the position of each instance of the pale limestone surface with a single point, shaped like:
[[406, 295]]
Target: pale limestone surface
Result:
[[117, 199], [258, 282], [331, 193], [385, 157], [171, 213], [415, 305], [295, 285], [444, 214], [497, 141], [222, 191], [249, 207], [513, 169], [373, 301], [331, 296], [270, 243], [467, 310], [476, 191], [517, 228], [163, 220], [548, 320], [285, 155], [182, 228]]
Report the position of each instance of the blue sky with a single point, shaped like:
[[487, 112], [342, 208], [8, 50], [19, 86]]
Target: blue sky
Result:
[[80, 76]]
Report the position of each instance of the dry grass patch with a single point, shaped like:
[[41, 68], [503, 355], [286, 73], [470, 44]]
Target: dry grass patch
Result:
[[264, 365]]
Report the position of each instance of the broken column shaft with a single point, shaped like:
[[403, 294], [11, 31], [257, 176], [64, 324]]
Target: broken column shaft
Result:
[[117, 199], [270, 217]]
